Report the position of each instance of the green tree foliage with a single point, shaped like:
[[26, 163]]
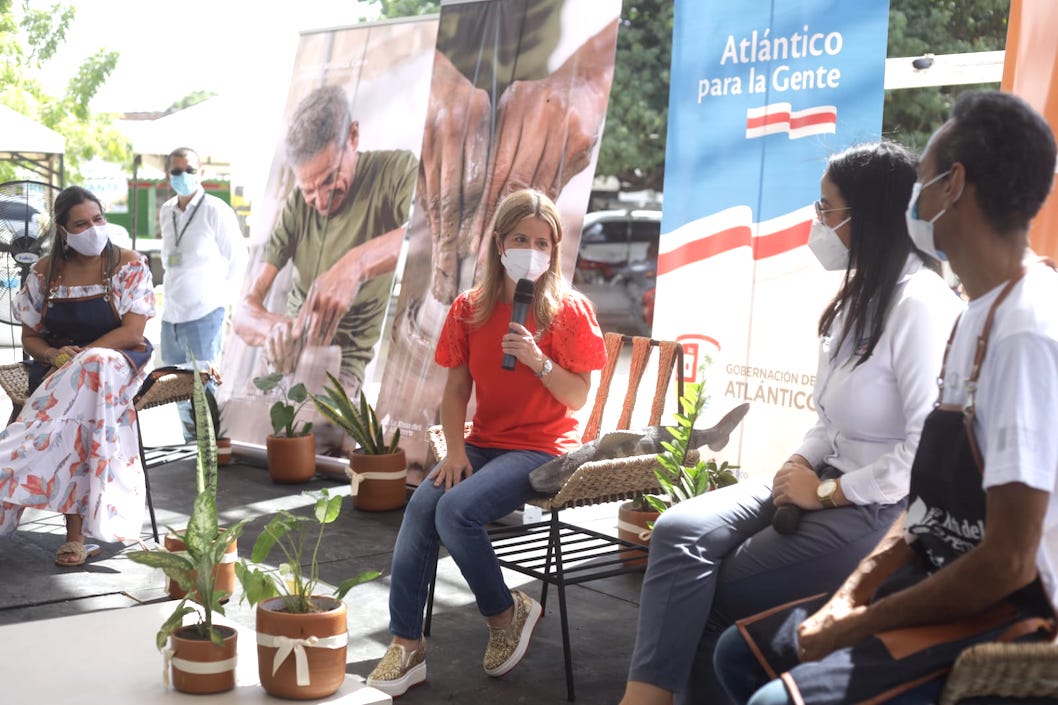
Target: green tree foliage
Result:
[[30, 35], [633, 143], [193, 98], [389, 9], [917, 27], [633, 146]]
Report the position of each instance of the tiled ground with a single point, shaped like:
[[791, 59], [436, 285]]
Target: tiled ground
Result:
[[602, 613]]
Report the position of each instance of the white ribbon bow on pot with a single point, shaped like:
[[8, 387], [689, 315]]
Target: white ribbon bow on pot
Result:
[[286, 645]]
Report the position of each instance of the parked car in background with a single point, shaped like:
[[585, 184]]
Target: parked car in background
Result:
[[612, 240], [617, 267]]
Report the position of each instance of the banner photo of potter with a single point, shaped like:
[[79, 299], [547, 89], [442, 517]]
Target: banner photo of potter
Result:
[[517, 99], [326, 238]]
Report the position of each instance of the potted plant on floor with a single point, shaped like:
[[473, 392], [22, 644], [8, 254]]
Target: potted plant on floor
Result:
[[224, 456], [301, 636], [378, 469], [175, 541], [201, 656], [677, 479], [291, 448]]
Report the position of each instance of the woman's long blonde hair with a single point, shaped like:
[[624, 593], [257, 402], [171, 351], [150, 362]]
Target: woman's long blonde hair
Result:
[[550, 288]]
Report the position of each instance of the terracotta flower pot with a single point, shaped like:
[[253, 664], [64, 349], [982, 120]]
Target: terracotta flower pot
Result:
[[224, 575], [224, 456], [291, 459], [301, 656], [632, 526], [200, 667], [379, 481]]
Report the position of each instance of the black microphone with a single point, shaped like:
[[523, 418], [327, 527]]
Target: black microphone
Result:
[[787, 518], [523, 299]]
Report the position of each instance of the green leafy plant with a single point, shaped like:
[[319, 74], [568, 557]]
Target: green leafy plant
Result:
[[195, 569], [291, 534], [285, 410], [214, 415], [679, 482], [358, 420]]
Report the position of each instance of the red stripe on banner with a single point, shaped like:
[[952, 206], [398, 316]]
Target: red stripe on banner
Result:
[[769, 119], [814, 119], [781, 241], [764, 246], [704, 248]]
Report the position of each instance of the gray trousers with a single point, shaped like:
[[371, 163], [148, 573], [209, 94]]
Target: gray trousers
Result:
[[715, 559]]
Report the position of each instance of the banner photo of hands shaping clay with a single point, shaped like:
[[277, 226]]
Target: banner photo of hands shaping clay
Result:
[[328, 233], [517, 99]]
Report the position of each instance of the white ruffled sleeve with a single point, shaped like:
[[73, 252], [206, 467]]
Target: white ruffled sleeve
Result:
[[134, 289]]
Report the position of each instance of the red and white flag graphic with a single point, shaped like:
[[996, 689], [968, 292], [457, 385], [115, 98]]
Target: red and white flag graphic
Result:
[[732, 228], [777, 118]]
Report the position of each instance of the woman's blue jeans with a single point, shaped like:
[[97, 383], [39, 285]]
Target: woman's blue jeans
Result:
[[457, 518]]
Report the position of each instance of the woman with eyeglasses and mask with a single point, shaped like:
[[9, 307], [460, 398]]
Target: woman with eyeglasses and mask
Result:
[[73, 448], [718, 557]]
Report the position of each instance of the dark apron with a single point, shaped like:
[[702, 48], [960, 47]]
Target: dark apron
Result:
[[79, 322], [946, 514]]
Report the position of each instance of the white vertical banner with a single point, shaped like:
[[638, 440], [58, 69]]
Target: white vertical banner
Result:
[[761, 95]]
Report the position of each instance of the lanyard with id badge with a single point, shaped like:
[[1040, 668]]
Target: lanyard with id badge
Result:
[[174, 256]]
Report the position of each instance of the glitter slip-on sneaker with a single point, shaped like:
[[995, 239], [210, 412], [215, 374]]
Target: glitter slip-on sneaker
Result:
[[398, 670], [507, 645]]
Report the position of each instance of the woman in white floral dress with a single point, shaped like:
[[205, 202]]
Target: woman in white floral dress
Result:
[[73, 448]]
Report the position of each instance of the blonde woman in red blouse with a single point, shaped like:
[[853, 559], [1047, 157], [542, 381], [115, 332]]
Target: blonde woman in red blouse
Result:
[[523, 418]]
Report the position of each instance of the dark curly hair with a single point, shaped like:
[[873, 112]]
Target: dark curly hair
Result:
[[1008, 151], [875, 181]]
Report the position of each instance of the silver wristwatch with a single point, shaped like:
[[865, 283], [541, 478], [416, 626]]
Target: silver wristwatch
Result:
[[545, 369]]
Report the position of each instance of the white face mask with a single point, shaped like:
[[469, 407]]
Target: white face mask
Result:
[[525, 263], [89, 242], [828, 248], [921, 231]]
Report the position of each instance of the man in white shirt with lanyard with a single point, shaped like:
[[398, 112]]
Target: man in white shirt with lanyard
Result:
[[204, 255]]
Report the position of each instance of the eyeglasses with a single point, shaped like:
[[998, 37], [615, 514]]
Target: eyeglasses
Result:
[[821, 211], [178, 172]]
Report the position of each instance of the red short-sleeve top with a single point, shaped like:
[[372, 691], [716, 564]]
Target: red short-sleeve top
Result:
[[513, 408]]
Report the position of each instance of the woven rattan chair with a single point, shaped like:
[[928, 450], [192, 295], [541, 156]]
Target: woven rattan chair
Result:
[[162, 386], [996, 671], [561, 554]]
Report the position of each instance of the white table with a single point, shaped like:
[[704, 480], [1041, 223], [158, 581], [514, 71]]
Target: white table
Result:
[[109, 657]]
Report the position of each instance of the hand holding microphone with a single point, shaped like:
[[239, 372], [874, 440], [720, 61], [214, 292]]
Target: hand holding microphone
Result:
[[797, 484], [523, 300], [787, 519]]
